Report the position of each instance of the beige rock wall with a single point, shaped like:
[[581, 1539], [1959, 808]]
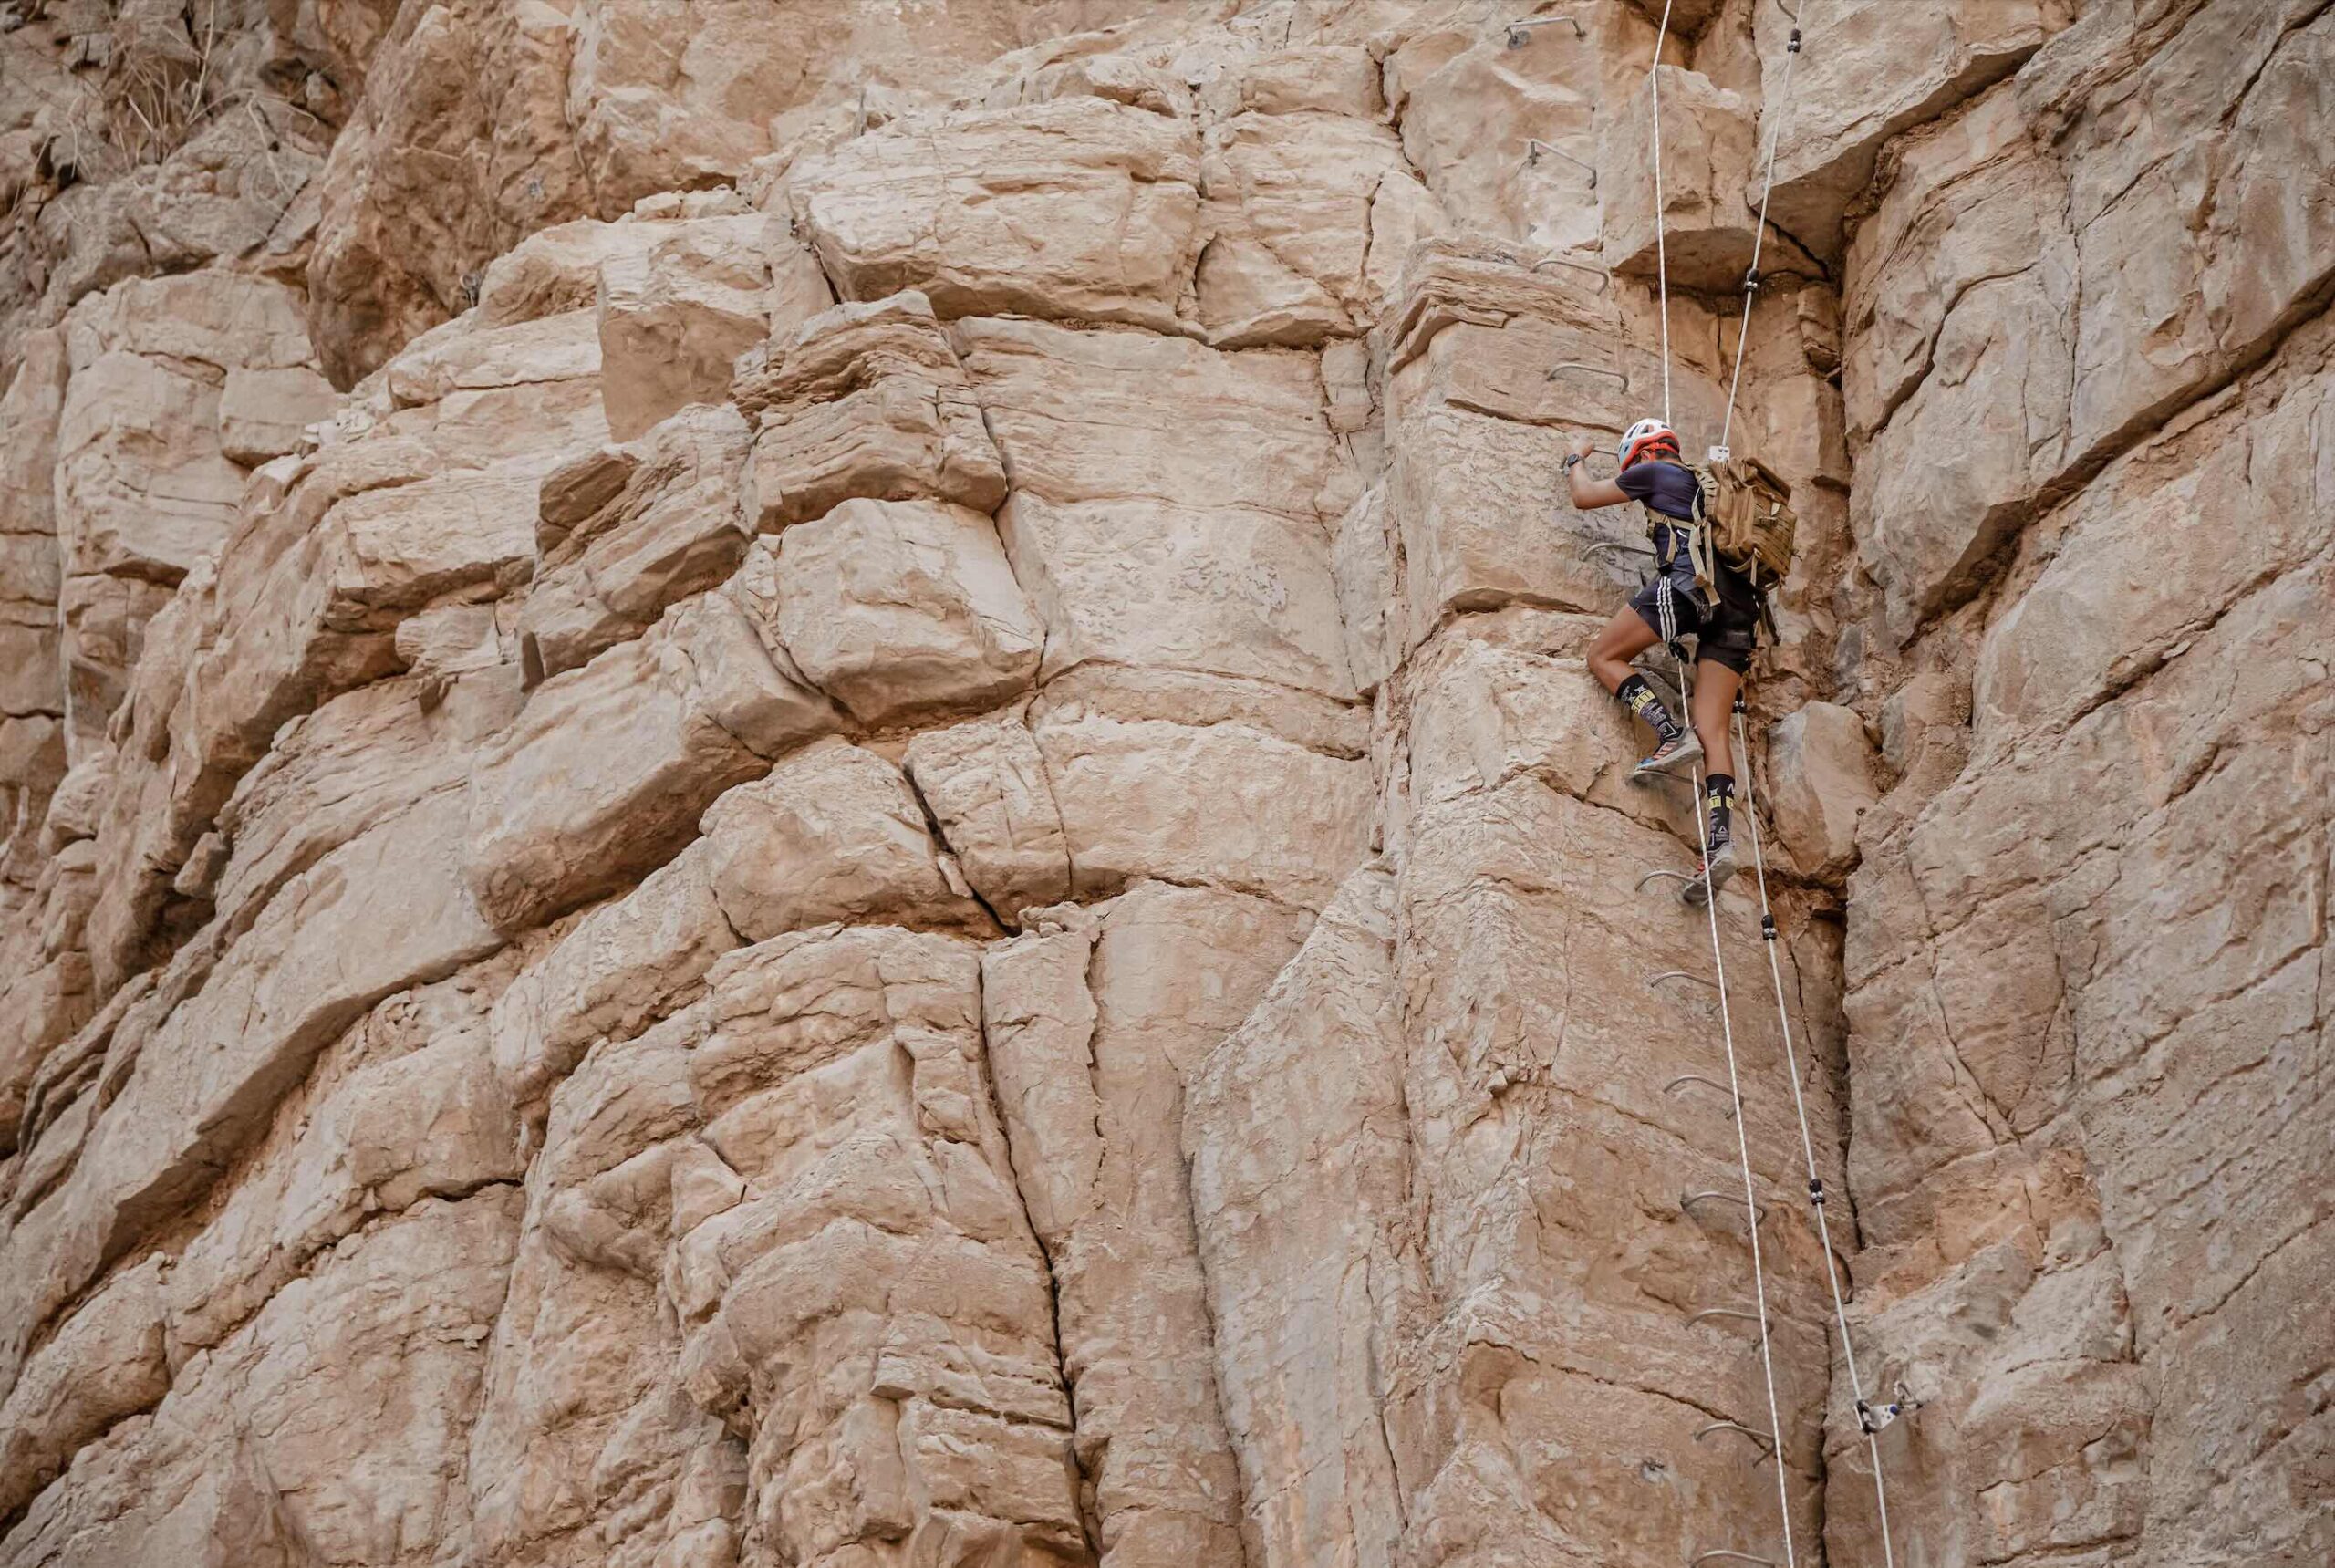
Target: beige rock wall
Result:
[[2086, 965], [892, 847]]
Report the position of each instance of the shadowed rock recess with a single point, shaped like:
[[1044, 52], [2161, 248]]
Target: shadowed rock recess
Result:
[[811, 784]]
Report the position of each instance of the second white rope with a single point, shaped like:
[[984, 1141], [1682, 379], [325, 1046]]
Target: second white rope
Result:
[[1742, 1142], [1660, 245], [1807, 1141], [1760, 234]]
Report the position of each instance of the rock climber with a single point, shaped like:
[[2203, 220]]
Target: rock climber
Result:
[[1668, 607]]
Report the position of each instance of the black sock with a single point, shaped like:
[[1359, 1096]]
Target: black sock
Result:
[[1719, 794], [1639, 698]]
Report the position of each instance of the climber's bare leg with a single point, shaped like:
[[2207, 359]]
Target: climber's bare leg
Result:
[[1710, 710], [1624, 639]]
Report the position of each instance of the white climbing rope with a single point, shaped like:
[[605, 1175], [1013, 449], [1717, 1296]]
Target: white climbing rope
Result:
[[1742, 1139], [1661, 248], [1808, 1148], [1760, 234], [1750, 808], [1710, 900]]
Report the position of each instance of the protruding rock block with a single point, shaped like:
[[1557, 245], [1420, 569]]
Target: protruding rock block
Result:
[[1293, 212], [1710, 185], [878, 1296], [1320, 79], [603, 775], [1168, 499], [833, 834], [1471, 108], [985, 784], [1872, 71], [141, 484], [900, 608], [624, 531], [868, 401], [674, 315], [1146, 788], [263, 413], [464, 358], [1078, 208], [1820, 782]]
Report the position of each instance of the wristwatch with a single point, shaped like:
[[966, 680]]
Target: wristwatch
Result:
[[1572, 458]]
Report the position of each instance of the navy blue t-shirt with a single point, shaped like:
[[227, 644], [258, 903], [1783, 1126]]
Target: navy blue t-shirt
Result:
[[1670, 488]]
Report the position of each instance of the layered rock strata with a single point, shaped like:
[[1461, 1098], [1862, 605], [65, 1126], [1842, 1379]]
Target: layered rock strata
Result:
[[818, 789]]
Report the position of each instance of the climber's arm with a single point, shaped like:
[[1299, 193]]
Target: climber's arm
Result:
[[1590, 494]]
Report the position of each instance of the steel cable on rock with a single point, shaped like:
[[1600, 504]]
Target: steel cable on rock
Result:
[[1808, 1147], [1710, 900], [1759, 234], [1742, 1143], [1661, 244]]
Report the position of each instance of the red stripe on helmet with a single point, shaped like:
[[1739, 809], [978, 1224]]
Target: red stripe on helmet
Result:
[[1646, 445]]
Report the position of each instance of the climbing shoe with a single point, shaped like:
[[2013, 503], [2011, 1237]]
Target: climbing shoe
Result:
[[1680, 751], [1722, 866]]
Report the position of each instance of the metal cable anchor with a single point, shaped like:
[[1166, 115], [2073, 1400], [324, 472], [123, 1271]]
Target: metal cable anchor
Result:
[[1759, 1441], [1534, 147], [1874, 1418], [1673, 1087], [1614, 547], [1592, 369], [1605, 274], [1653, 980], [1520, 31]]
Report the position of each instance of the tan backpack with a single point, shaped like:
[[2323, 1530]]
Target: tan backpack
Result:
[[1746, 520]]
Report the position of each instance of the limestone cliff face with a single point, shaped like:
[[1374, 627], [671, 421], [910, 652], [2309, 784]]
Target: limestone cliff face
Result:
[[813, 785]]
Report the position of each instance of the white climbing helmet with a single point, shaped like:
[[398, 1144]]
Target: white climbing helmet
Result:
[[1646, 432]]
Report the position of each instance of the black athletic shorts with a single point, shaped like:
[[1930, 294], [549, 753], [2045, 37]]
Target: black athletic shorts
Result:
[[1725, 634]]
